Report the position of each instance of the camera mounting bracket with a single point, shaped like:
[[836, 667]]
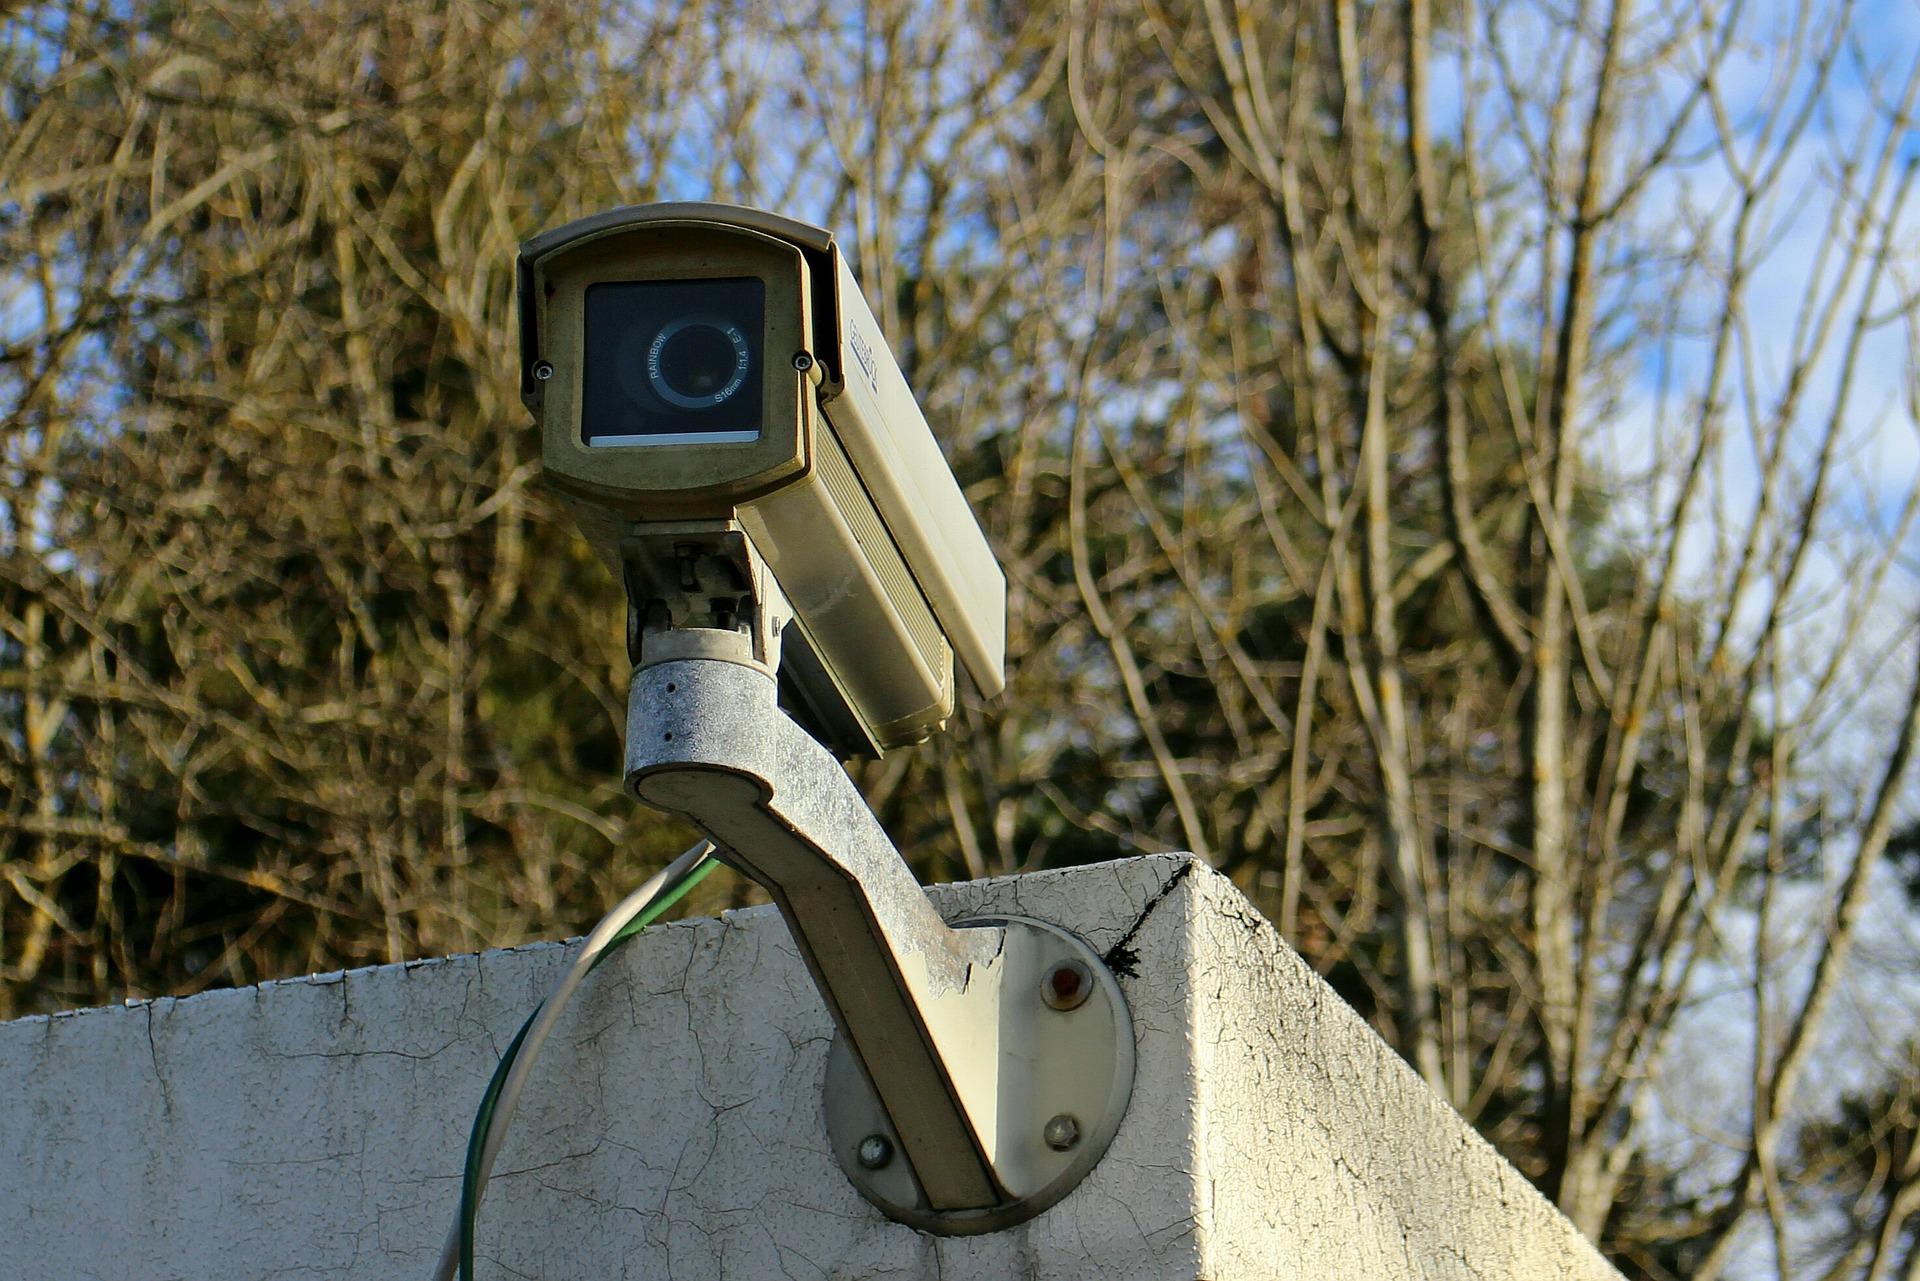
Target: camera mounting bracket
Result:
[[699, 589], [981, 1069]]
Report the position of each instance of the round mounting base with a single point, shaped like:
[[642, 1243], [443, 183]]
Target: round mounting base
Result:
[[1063, 1072]]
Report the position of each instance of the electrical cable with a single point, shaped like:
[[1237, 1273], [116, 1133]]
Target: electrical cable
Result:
[[497, 1105]]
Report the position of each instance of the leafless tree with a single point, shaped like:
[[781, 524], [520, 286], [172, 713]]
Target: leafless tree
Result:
[[1448, 464]]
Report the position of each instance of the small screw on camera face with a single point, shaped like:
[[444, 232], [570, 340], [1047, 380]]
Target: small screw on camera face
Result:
[[673, 362]]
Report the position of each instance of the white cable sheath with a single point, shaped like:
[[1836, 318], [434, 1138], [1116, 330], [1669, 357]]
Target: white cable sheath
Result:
[[591, 947]]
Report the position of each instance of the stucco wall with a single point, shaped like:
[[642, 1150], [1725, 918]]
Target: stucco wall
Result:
[[314, 1127]]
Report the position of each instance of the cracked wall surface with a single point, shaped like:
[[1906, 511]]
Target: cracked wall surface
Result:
[[314, 1127]]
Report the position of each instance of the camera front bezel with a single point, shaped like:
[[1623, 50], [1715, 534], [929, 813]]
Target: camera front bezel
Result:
[[672, 476]]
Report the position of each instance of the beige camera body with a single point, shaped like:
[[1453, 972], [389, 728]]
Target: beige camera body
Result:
[[701, 363]]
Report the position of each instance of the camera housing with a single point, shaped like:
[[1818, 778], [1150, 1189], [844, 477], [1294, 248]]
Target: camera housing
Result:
[[699, 363]]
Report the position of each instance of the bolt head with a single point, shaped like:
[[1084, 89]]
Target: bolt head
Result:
[[543, 371], [1066, 986], [875, 1151], [803, 361], [1062, 1132]]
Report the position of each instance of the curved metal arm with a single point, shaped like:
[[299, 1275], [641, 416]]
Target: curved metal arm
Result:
[[997, 1057], [706, 740]]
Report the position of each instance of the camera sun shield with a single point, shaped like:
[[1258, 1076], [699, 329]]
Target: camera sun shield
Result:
[[673, 362]]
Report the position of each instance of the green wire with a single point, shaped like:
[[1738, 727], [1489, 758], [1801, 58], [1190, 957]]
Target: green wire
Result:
[[483, 1120], [695, 874]]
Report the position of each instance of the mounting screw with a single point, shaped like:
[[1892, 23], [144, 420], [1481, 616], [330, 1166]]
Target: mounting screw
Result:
[[1066, 986], [1061, 1133], [543, 371], [875, 1151], [803, 361]]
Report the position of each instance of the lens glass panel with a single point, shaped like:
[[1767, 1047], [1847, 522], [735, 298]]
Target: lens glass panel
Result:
[[673, 362]]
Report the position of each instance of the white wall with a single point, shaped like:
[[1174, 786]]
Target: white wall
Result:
[[314, 1128]]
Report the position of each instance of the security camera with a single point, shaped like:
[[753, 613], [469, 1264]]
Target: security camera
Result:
[[715, 399]]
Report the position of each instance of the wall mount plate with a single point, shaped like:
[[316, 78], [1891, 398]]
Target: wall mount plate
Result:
[[1059, 1048]]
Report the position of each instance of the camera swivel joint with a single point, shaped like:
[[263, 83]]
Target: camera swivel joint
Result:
[[698, 589]]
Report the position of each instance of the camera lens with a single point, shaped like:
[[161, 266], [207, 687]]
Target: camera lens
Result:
[[674, 362], [697, 363]]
